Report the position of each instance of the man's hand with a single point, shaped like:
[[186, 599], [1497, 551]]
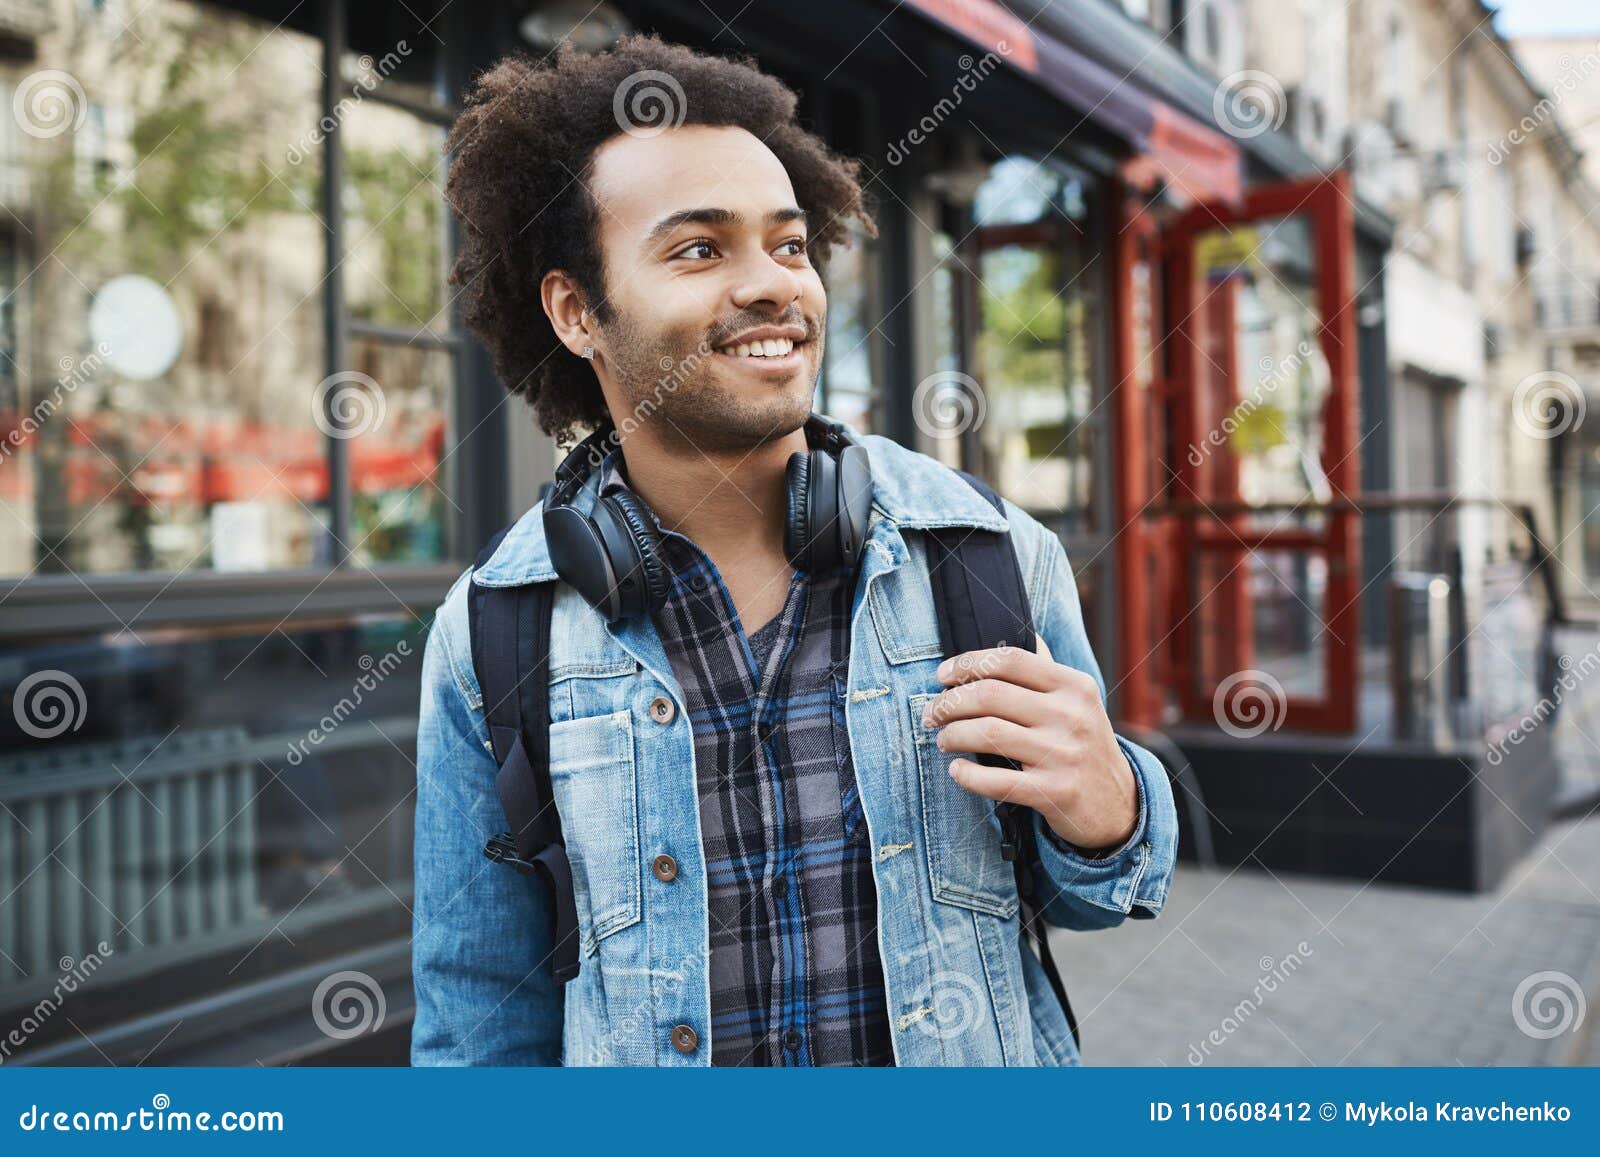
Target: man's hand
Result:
[[1048, 717]]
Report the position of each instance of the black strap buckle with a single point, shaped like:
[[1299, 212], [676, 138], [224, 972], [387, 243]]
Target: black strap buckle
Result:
[[502, 849], [551, 863]]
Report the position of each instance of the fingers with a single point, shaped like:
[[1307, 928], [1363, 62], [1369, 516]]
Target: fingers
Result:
[[990, 736], [1011, 664], [997, 783], [991, 697]]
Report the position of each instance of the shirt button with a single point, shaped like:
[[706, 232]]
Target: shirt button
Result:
[[791, 1038], [698, 582], [764, 730], [665, 868], [662, 709], [685, 1039], [780, 886]]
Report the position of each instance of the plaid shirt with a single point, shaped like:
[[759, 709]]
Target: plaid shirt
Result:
[[795, 972]]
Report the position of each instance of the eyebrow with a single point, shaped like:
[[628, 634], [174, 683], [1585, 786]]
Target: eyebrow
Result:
[[716, 218]]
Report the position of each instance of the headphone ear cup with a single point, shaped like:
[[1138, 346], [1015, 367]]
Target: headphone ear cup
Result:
[[822, 512], [796, 524], [630, 513]]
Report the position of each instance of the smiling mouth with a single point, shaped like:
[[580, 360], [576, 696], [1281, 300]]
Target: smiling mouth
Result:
[[772, 357], [777, 347]]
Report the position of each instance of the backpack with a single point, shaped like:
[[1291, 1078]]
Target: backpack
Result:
[[980, 599]]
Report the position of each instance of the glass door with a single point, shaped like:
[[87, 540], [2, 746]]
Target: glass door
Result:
[[1261, 355]]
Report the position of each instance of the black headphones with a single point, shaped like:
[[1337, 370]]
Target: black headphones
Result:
[[612, 556]]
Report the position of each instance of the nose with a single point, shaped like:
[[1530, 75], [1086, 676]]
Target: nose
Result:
[[766, 280]]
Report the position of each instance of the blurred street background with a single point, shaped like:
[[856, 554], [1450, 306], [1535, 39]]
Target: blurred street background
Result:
[[1285, 316]]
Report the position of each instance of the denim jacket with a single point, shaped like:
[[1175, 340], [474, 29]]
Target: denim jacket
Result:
[[962, 987]]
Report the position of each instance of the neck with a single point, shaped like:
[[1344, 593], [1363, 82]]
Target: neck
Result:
[[732, 504]]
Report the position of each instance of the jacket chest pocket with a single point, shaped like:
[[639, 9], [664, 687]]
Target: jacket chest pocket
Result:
[[961, 830], [596, 787]]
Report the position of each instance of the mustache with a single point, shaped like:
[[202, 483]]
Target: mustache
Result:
[[752, 321]]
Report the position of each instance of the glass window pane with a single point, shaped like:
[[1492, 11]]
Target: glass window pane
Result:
[[1270, 422], [847, 389], [394, 257], [179, 796], [1037, 311], [161, 257], [400, 507]]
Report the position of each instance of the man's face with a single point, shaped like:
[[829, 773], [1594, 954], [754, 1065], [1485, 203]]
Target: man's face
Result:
[[703, 244]]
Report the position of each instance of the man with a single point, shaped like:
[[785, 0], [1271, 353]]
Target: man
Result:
[[777, 859]]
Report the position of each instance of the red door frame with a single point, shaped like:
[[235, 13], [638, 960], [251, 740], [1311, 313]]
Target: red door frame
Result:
[[1151, 533]]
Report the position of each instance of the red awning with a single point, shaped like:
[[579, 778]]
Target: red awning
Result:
[[1197, 163], [1195, 160]]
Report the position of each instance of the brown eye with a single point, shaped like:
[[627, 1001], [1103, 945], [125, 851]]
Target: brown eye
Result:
[[688, 250]]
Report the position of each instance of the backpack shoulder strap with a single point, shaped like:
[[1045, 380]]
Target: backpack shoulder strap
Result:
[[510, 629], [981, 601]]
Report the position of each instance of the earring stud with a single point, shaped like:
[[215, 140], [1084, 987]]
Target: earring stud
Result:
[[588, 352]]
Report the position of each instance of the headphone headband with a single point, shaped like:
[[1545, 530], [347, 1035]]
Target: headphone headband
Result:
[[583, 458], [823, 431], [611, 555]]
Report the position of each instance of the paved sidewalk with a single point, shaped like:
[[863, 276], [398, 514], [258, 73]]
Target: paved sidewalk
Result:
[[1387, 975]]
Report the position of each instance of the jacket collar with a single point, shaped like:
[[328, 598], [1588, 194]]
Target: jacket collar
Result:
[[910, 490]]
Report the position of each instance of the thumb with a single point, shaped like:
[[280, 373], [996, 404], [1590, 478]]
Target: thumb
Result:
[[1043, 647]]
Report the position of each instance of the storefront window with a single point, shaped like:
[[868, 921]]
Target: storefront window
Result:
[[399, 505], [1038, 308], [846, 388], [217, 787], [395, 252], [162, 256]]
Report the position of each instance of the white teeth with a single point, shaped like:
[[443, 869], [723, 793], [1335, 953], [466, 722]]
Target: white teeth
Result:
[[770, 348]]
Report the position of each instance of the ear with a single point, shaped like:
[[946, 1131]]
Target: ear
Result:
[[564, 306]]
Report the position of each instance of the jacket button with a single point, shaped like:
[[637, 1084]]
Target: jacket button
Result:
[[685, 1039], [665, 868], [662, 709]]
